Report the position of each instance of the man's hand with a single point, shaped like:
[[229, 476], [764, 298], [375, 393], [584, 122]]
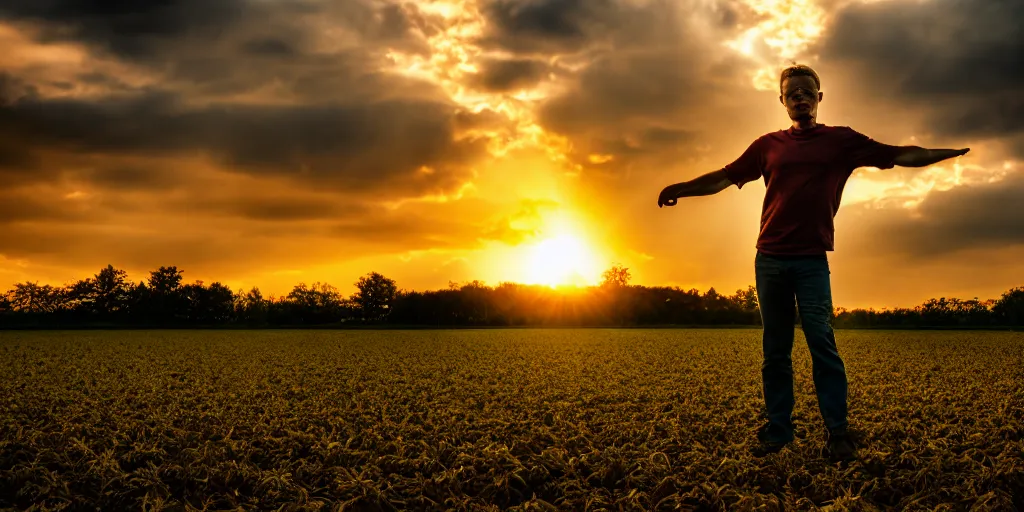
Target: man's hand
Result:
[[670, 194], [704, 185]]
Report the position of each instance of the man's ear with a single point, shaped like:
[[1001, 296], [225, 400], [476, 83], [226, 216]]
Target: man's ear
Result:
[[782, 100], [820, 96]]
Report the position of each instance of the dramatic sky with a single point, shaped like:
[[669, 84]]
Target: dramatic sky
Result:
[[271, 142]]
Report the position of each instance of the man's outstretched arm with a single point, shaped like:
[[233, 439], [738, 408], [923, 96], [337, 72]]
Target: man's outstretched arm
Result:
[[704, 185], [914, 156]]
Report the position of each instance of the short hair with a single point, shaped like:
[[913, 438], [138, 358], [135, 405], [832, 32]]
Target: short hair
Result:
[[799, 70]]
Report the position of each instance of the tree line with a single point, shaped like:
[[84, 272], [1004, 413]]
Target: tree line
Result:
[[110, 299]]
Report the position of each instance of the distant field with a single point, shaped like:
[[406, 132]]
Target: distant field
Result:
[[496, 419]]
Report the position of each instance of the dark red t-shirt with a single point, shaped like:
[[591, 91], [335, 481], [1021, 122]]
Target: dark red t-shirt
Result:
[[805, 172]]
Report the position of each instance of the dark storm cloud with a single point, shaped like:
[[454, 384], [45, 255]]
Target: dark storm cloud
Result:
[[347, 123], [14, 153], [227, 135], [620, 88], [499, 75], [130, 28], [545, 25], [988, 215], [568, 26], [645, 69], [642, 70], [268, 46], [962, 60], [207, 132], [308, 48], [356, 145], [13, 89], [15, 158], [159, 30]]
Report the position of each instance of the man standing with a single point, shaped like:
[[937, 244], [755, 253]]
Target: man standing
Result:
[[805, 168]]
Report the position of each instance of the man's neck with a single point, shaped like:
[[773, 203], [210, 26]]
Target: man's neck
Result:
[[804, 124]]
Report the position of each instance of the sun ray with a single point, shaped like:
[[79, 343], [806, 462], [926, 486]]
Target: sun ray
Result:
[[562, 260]]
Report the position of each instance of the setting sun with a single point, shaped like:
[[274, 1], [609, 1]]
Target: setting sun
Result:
[[562, 260]]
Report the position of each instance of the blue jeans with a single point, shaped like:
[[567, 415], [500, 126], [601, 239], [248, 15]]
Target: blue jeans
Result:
[[780, 280]]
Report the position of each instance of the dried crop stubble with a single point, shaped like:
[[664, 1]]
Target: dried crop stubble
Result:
[[496, 419]]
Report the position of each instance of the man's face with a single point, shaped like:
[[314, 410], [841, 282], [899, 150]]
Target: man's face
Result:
[[800, 96]]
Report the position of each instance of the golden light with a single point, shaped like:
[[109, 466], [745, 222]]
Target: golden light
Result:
[[557, 253], [877, 189], [453, 59], [786, 29], [562, 260]]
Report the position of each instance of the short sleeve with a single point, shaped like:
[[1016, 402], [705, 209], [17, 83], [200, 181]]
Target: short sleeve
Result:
[[749, 166], [863, 151]]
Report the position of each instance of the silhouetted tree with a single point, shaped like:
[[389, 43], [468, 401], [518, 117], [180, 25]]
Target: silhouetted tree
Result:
[[475, 303], [508, 303], [746, 300], [317, 304], [163, 301], [80, 298], [1009, 309], [107, 293], [621, 306], [139, 304], [207, 305], [375, 296], [165, 280], [615, 276], [30, 297], [251, 308], [219, 304]]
